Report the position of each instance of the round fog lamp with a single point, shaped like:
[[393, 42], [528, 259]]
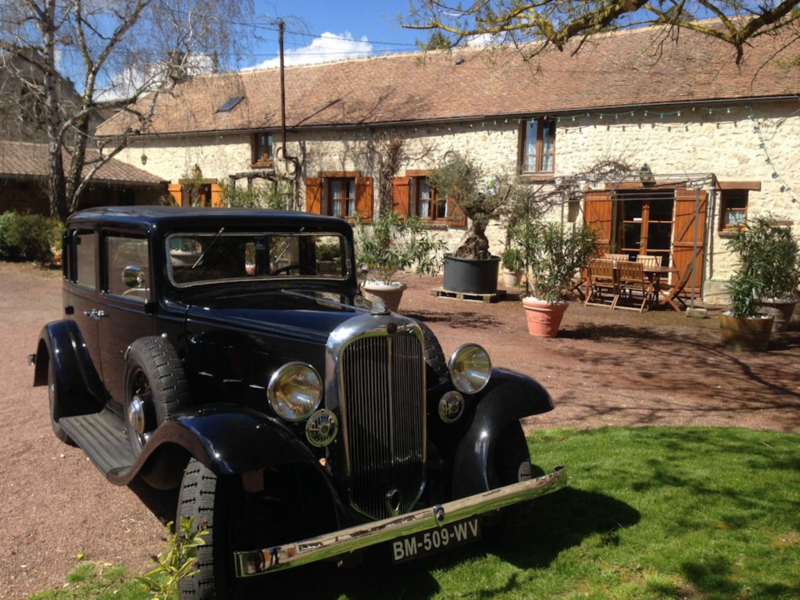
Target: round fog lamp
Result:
[[321, 428], [470, 368], [451, 407], [294, 391]]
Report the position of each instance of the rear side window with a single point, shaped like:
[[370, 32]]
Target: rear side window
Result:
[[128, 266], [85, 253]]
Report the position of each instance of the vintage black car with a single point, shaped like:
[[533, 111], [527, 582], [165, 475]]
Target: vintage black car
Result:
[[229, 353]]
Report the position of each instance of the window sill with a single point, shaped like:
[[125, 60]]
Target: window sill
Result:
[[262, 164], [537, 177]]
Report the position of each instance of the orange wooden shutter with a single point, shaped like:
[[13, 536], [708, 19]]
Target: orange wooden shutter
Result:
[[684, 256], [216, 194], [455, 218], [314, 195], [364, 197], [174, 190], [598, 210], [401, 195]]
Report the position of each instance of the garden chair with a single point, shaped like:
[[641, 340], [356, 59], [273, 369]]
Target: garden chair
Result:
[[634, 285], [616, 257], [602, 284], [648, 260]]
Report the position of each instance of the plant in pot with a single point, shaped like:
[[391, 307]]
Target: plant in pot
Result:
[[744, 327], [512, 267], [471, 268], [552, 252], [770, 254], [390, 245]]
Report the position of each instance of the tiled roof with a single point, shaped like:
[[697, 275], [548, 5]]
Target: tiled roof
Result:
[[25, 159], [614, 70]]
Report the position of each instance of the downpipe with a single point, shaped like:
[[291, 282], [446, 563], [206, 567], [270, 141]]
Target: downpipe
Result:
[[330, 545]]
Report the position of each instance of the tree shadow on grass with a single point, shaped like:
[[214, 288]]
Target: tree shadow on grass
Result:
[[567, 518]]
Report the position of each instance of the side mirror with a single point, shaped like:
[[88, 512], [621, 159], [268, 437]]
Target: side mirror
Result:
[[133, 277]]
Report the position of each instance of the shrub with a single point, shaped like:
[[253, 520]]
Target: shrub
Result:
[[6, 219], [31, 237]]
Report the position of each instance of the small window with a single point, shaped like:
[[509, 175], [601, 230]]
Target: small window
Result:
[[426, 205], [342, 197], [733, 209], [262, 148], [127, 257], [539, 146], [85, 245], [230, 104]]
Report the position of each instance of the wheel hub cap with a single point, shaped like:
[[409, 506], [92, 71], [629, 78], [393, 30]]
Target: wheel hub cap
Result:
[[136, 415]]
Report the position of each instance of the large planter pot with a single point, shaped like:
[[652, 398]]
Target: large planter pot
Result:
[[512, 278], [742, 333], [471, 276], [781, 310], [544, 318], [389, 293]]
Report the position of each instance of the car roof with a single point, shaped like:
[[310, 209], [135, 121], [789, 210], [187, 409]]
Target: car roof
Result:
[[171, 217]]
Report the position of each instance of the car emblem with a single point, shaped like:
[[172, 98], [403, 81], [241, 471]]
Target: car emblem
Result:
[[393, 502]]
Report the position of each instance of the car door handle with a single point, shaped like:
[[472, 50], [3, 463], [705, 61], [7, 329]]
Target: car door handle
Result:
[[95, 314]]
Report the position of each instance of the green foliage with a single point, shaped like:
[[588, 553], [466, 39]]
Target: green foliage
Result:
[[392, 244], [512, 259], [29, 237], [437, 40], [97, 581], [479, 198], [277, 195], [769, 259], [177, 561], [552, 253]]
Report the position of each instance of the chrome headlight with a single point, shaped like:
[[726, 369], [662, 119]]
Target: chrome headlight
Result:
[[470, 368], [295, 391]]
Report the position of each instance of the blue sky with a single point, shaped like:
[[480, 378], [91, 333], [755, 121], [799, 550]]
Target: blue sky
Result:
[[353, 28]]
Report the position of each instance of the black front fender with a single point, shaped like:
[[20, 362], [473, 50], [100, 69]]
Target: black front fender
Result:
[[507, 398]]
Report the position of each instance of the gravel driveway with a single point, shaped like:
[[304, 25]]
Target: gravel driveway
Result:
[[606, 368]]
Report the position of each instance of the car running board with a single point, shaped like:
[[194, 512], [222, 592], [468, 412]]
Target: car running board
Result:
[[103, 437]]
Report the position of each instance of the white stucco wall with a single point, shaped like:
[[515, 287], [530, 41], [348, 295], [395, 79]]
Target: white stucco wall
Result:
[[725, 144]]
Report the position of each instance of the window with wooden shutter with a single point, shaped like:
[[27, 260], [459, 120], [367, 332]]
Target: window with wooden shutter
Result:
[[598, 211], [314, 195], [216, 194], [364, 198], [687, 253], [401, 195], [455, 218], [174, 190]]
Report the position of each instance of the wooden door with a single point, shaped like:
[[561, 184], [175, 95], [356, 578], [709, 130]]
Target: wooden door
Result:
[[686, 255]]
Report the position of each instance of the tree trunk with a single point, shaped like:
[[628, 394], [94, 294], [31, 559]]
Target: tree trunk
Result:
[[56, 184]]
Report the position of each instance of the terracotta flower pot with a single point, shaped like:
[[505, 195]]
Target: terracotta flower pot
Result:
[[544, 318], [743, 333], [389, 293]]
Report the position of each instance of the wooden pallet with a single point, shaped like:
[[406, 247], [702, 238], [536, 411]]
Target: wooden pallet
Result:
[[486, 298]]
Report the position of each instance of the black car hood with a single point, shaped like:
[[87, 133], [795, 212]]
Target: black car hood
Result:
[[309, 315]]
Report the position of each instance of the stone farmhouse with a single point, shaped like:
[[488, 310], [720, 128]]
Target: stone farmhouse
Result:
[[720, 141]]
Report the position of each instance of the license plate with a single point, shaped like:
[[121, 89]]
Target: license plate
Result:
[[436, 540]]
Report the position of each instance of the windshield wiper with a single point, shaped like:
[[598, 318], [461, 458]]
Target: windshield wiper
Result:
[[216, 237]]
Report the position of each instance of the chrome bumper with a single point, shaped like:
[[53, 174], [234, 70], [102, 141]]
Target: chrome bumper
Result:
[[268, 560]]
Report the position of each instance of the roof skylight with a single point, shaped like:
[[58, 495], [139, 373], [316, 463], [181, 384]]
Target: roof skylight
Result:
[[230, 104]]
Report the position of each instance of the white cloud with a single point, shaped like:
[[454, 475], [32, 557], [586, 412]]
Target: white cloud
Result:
[[485, 39], [325, 48], [136, 79]]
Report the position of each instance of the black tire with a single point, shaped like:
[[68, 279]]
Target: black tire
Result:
[[55, 407], [235, 521], [434, 357], [512, 465], [154, 377]]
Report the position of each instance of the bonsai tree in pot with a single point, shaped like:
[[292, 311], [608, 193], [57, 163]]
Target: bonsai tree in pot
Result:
[[552, 252], [770, 255], [390, 245], [471, 268]]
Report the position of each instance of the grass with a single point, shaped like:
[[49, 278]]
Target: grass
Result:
[[651, 513]]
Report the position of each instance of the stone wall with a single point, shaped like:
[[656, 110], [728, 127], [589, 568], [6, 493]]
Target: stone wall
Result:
[[732, 142]]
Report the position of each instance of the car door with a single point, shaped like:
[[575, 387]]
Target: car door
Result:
[[126, 301], [82, 300]]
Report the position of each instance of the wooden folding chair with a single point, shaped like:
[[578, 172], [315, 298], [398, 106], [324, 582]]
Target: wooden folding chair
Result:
[[602, 283], [648, 260], [677, 291], [633, 284]]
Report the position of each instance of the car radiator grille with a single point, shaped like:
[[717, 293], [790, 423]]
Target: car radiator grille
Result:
[[384, 396]]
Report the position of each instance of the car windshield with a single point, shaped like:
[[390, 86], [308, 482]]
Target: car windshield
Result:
[[200, 258]]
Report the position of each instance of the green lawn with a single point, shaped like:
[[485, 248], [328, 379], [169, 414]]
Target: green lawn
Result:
[[649, 513]]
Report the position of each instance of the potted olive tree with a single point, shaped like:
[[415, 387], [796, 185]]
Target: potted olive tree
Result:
[[471, 268], [770, 254], [552, 252], [392, 244]]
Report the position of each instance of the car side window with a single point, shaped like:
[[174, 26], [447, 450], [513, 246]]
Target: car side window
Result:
[[85, 245], [128, 263]]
